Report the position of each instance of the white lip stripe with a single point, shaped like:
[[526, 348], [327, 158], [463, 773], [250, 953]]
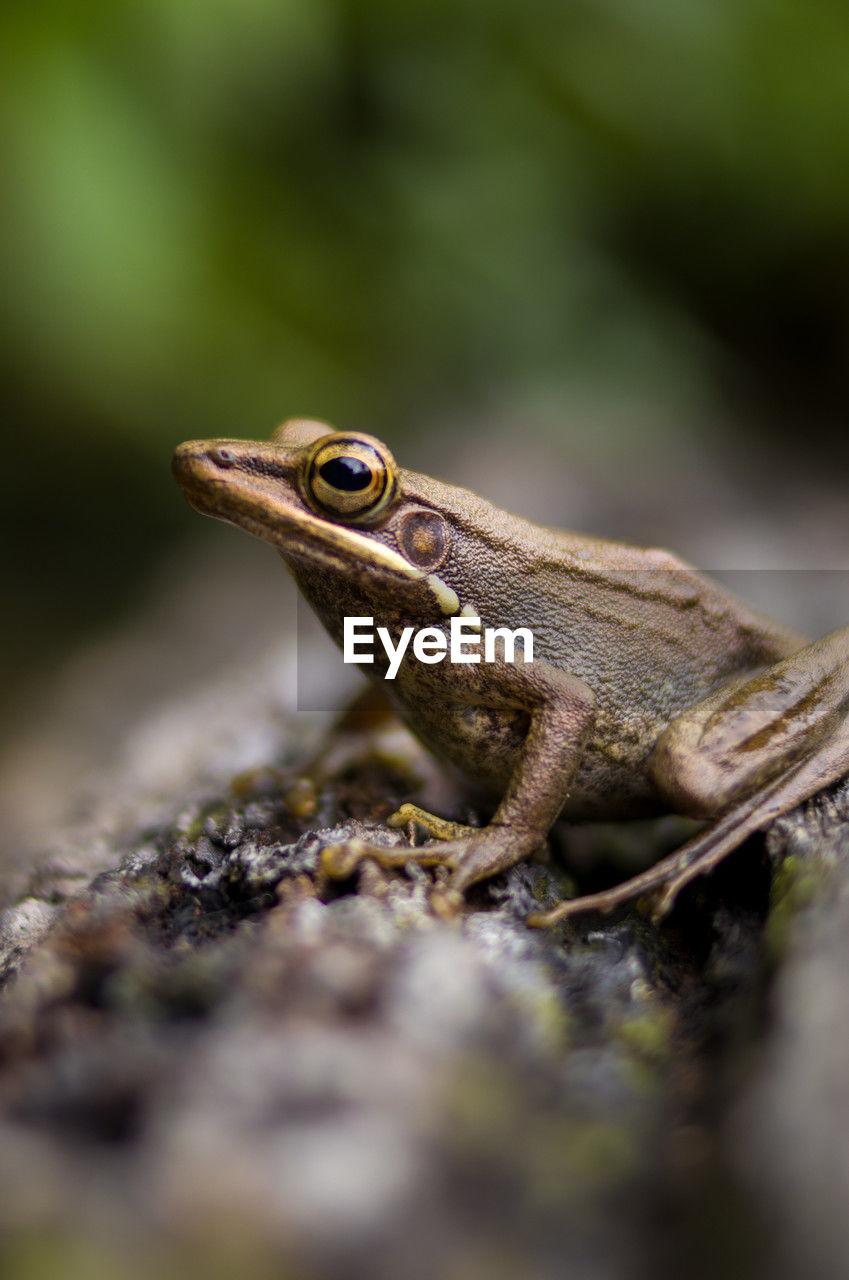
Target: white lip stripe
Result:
[[334, 535], [446, 597]]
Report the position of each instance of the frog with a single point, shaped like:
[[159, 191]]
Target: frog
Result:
[[651, 688]]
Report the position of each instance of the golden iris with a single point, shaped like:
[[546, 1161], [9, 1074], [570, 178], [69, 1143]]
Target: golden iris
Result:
[[351, 476]]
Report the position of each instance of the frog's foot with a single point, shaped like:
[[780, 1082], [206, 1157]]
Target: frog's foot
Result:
[[665, 880], [476, 854], [481, 853], [661, 883], [602, 902]]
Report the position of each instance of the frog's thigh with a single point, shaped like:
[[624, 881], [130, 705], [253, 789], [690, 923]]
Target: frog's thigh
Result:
[[740, 737]]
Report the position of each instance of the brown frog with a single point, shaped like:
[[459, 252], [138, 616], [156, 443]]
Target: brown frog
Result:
[[650, 688]]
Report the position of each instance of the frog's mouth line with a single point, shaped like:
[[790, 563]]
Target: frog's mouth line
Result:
[[315, 538], [345, 551]]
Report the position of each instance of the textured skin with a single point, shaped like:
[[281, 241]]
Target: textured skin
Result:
[[643, 636]]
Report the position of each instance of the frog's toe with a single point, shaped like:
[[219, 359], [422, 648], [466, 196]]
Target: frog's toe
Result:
[[301, 798], [340, 861], [447, 903], [548, 919], [634, 890], [437, 828], [487, 852]]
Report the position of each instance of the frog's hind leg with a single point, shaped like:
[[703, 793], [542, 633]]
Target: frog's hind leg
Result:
[[709, 847], [808, 693], [805, 780]]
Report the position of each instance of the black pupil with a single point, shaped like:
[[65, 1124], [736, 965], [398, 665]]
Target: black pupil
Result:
[[348, 474]]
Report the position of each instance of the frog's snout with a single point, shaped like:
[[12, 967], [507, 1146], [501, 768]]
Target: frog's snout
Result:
[[197, 465], [236, 480], [182, 461], [189, 459], [200, 461]]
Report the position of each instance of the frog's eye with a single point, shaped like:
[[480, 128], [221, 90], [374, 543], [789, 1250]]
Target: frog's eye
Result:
[[351, 476]]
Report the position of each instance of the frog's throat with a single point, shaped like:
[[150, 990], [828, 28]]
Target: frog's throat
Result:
[[317, 535], [337, 543], [321, 535]]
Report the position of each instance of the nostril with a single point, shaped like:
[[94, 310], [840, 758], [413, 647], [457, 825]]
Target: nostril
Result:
[[223, 457]]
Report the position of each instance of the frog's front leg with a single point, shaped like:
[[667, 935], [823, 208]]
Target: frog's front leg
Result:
[[560, 710], [743, 756]]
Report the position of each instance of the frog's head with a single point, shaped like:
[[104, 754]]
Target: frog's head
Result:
[[355, 529]]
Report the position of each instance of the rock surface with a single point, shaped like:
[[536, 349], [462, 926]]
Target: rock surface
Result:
[[211, 1058]]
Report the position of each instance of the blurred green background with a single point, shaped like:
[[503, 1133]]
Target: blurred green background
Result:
[[396, 215]]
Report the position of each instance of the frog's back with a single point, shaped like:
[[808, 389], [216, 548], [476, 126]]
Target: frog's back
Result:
[[650, 638], [647, 633]]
